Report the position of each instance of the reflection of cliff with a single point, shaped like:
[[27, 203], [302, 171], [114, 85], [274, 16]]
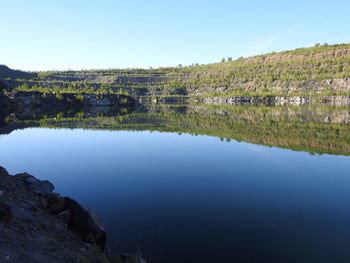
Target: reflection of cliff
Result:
[[314, 129], [30, 109]]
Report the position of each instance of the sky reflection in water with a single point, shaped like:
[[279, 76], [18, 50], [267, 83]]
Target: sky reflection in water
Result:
[[195, 198]]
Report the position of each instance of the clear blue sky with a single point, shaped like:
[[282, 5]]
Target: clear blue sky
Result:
[[84, 34]]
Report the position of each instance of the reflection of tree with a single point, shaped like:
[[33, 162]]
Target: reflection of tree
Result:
[[315, 129]]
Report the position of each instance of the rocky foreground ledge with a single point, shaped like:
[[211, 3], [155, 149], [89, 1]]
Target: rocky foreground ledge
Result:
[[40, 226]]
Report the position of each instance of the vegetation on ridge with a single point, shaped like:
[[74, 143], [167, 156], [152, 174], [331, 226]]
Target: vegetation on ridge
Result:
[[305, 71]]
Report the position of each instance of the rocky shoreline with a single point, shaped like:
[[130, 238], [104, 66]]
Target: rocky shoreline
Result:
[[39, 225]]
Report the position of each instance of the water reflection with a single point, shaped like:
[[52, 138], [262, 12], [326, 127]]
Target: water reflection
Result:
[[311, 128], [194, 198]]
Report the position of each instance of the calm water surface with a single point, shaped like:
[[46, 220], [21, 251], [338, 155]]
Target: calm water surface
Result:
[[184, 198]]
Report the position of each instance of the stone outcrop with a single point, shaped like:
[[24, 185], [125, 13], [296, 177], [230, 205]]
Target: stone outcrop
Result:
[[84, 222], [80, 220], [36, 186], [38, 225], [33, 227]]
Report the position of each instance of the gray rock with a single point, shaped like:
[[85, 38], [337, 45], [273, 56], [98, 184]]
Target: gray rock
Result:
[[5, 213], [43, 203], [53, 202], [42, 187], [37, 186], [47, 187], [64, 216], [50, 199], [24, 176], [1, 193], [29, 233], [82, 221], [58, 206], [23, 214]]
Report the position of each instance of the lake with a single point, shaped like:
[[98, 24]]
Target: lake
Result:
[[199, 183]]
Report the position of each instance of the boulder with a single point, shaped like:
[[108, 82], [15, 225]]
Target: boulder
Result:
[[5, 213], [54, 203], [58, 206], [51, 199], [64, 216], [37, 186], [85, 223]]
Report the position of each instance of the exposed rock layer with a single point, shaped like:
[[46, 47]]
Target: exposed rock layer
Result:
[[38, 225]]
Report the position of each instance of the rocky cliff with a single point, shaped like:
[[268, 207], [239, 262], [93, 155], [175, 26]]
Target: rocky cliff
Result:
[[315, 71], [38, 225]]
